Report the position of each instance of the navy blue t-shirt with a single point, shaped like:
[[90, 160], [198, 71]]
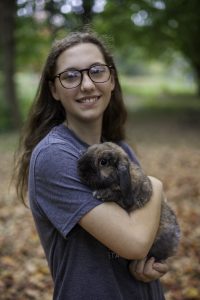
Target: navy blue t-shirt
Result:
[[82, 268]]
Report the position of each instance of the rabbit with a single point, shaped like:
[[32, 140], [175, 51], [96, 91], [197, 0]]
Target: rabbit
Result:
[[108, 171]]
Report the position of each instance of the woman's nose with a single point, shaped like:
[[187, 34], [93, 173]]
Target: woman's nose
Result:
[[87, 83]]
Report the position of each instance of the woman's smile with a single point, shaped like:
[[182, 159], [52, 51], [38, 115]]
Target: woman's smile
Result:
[[89, 100]]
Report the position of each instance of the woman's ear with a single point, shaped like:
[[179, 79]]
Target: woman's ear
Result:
[[53, 90]]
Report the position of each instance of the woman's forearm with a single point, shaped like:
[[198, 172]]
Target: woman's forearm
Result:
[[130, 235]]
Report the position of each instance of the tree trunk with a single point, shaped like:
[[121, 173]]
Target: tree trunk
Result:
[[196, 68], [7, 30], [87, 16], [197, 71]]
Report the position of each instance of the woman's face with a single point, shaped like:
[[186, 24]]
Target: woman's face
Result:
[[88, 101]]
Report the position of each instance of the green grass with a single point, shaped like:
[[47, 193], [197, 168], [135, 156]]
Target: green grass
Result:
[[27, 84], [8, 141], [153, 85], [155, 93]]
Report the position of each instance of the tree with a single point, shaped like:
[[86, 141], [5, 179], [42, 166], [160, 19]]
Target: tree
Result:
[[157, 26], [7, 39], [13, 26], [154, 26]]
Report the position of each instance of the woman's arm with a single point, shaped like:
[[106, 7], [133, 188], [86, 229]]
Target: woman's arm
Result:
[[128, 234]]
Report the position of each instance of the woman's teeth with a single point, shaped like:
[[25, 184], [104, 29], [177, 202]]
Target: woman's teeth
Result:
[[88, 100]]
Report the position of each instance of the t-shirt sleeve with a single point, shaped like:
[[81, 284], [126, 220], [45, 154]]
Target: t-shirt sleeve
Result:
[[59, 193], [130, 152]]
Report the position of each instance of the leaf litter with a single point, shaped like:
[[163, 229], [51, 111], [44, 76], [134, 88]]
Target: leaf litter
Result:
[[164, 153]]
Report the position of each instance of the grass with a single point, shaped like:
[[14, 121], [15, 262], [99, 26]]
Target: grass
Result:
[[8, 142], [159, 94], [27, 84], [152, 85]]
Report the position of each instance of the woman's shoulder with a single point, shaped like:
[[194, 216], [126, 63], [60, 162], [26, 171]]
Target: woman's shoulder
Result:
[[59, 142], [129, 150]]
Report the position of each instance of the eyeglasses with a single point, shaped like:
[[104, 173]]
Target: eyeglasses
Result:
[[72, 78]]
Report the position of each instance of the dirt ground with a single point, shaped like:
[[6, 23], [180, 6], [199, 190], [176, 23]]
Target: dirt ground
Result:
[[168, 148]]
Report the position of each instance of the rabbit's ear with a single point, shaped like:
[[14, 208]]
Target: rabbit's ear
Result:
[[125, 185]]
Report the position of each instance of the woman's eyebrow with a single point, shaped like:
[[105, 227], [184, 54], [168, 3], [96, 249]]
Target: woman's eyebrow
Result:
[[68, 69], [76, 68]]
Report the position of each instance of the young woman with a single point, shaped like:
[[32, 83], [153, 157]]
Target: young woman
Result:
[[95, 250]]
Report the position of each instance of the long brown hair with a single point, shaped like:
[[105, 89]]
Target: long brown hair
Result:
[[46, 113]]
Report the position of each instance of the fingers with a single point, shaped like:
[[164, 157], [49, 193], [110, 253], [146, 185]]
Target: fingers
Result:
[[140, 269], [161, 267], [147, 270]]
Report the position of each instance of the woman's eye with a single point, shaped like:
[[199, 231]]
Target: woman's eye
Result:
[[70, 75], [97, 70]]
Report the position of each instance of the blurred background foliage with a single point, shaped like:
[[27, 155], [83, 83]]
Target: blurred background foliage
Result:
[[155, 43]]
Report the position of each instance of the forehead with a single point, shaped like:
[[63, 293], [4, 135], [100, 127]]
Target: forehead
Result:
[[80, 56]]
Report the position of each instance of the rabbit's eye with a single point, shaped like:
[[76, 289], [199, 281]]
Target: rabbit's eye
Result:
[[103, 162]]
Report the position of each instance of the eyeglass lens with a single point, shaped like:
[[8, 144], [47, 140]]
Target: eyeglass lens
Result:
[[97, 73]]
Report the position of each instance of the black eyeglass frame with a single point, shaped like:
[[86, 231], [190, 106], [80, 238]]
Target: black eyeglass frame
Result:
[[81, 71]]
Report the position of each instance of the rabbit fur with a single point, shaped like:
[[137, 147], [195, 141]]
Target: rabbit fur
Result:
[[108, 171]]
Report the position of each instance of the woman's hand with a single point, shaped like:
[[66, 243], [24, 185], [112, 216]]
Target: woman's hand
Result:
[[148, 270]]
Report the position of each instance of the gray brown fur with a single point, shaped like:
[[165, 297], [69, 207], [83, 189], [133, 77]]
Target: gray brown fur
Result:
[[107, 169]]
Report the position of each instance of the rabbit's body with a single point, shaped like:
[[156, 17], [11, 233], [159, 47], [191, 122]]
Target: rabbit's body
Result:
[[107, 170]]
